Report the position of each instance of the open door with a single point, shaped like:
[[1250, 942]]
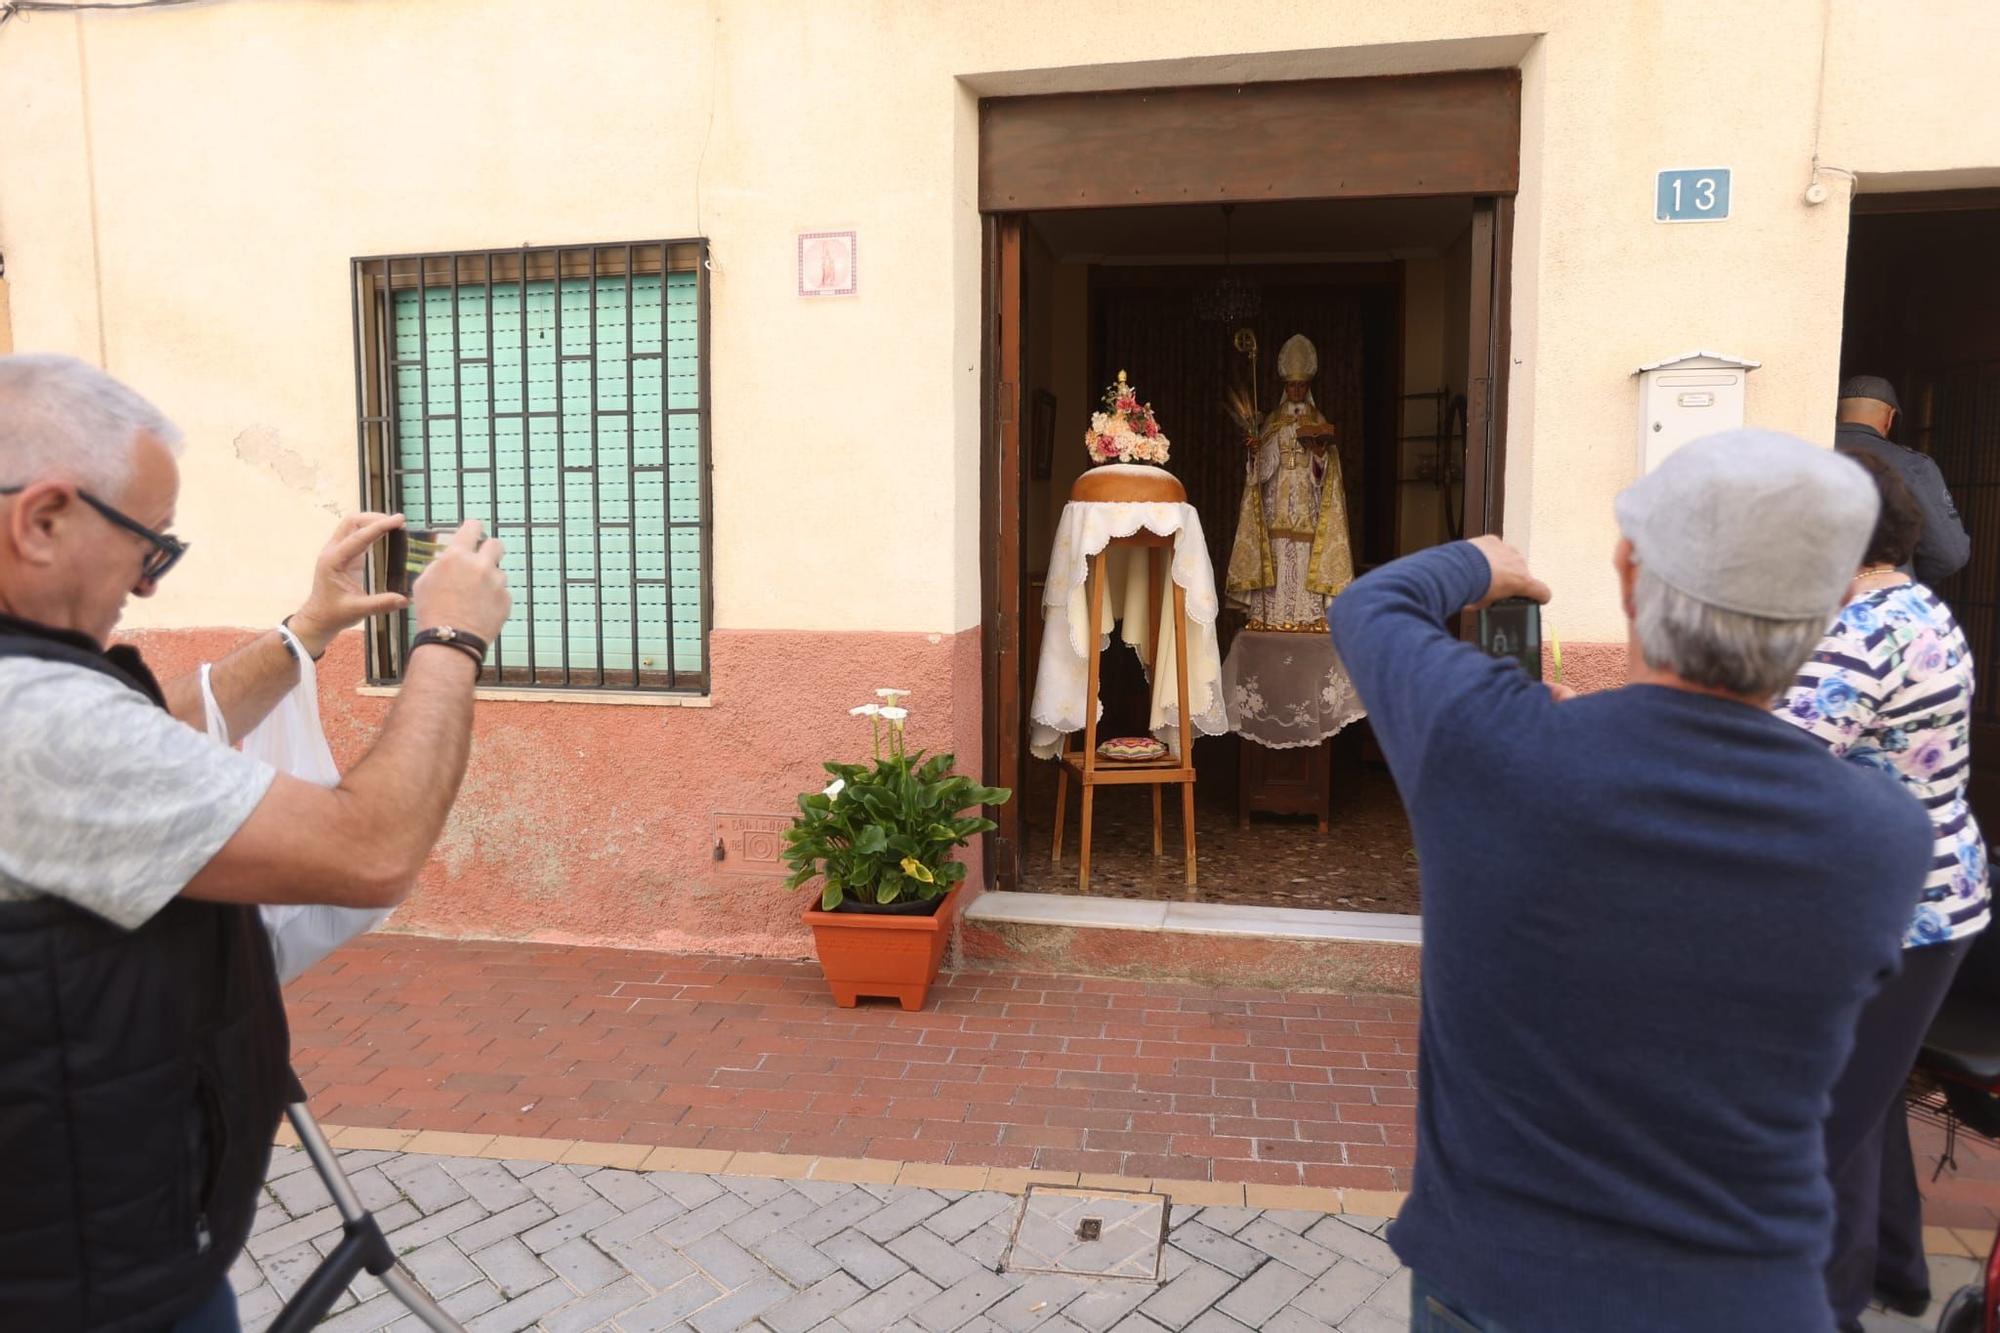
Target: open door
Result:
[[1922, 284], [1001, 520], [1486, 373]]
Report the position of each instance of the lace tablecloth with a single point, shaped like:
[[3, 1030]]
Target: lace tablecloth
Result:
[[1085, 529], [1287, 690]]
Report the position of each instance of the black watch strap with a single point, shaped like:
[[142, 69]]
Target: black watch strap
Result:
[[470, 644]]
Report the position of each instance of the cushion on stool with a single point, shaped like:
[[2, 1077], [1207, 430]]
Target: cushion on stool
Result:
[[1131, 749]]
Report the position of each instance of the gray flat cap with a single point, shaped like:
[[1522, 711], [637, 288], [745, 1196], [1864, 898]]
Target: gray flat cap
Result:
[[1870, 386], [1753, 521]]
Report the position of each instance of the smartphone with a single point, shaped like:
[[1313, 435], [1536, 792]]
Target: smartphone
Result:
[[410, 549], [1513, 628]]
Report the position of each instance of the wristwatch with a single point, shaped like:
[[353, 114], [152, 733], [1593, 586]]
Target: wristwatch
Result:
[[470, 644], [287, 623]]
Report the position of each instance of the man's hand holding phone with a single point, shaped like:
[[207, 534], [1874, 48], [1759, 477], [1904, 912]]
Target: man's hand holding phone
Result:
[[463, 586]]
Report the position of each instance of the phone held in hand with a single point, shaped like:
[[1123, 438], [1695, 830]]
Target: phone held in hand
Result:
[[1513, 628], [410, 549]]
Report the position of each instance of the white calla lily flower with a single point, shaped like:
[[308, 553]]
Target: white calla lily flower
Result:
[[834, 789], [866, 710], [895, 714], [892, 695]]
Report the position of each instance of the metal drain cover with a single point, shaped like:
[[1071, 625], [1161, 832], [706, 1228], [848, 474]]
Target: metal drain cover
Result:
[[1089, 1233]]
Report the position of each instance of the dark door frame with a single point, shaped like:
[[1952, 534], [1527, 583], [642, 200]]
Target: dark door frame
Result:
[[1456, 134]]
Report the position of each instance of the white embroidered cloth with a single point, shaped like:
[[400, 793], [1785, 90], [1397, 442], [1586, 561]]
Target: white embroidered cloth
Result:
[[1085, 529], [1287, 690]]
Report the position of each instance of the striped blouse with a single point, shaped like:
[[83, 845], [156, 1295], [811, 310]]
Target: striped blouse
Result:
[[1891, 687]]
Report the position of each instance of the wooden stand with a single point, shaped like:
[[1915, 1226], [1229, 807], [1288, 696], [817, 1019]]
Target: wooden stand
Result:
[[1284, 782], [1092, 770]]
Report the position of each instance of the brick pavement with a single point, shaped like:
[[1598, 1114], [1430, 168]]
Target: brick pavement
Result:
[[1003, 1069], [1000, 1070], [507, 1245]]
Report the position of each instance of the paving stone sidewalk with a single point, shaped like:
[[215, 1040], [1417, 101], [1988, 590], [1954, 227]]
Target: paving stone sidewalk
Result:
[[509, 1245]]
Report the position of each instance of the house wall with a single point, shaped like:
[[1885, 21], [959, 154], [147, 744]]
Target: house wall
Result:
[[183, 189]]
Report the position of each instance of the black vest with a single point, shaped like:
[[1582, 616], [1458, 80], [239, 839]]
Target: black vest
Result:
[[142, 1076]]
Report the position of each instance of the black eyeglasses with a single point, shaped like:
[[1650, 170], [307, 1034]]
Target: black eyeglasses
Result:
[[167, 549]]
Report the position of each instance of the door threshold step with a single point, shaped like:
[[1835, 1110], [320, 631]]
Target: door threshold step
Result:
[[1286, 948]]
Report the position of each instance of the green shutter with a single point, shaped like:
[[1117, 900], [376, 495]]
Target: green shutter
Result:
[[574, 523]]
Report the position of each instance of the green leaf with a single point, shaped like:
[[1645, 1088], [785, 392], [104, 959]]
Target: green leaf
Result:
[[887, 891], [830, 898], [871, 841]]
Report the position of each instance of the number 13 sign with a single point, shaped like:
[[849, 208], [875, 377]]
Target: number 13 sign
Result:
[[1697, 195]]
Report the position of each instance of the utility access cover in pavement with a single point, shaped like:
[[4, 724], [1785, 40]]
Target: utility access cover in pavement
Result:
[[1088, 1233]]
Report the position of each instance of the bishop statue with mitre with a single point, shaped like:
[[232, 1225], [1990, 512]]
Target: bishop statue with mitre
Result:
[[1291, 556]]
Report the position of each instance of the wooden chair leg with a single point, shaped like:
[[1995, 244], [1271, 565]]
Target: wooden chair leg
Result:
[[1187, 821], [1159, 845], [1062, 809], [1083, 854]]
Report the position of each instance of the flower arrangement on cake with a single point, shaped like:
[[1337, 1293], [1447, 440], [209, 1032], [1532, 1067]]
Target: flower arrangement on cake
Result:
[[1124, 432]]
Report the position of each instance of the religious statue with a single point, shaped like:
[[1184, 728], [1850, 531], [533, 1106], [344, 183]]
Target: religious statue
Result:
[[1291, 558]]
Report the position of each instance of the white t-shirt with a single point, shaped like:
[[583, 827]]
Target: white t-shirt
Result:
[[105, 799]]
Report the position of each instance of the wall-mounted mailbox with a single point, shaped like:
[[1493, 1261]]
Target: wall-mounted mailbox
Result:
[[1686, 398]]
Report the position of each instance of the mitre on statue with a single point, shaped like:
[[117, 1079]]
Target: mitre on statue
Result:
[[1297, 359]]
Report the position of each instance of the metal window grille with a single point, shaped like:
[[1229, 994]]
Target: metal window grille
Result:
[[559, 395]]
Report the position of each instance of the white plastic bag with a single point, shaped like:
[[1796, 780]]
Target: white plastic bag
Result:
[[292, 741]]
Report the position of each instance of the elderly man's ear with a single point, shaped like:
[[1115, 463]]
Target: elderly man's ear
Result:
[[1628, 573], [37, 513]]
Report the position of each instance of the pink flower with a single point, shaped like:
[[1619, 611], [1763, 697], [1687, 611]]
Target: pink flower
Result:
[[1128, 403], [1925, 656]]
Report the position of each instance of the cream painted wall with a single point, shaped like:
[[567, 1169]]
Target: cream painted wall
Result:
[[204, 174]]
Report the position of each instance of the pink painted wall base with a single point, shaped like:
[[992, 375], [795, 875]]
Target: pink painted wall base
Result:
[[1588, 667], [589, 823], [593, 823]]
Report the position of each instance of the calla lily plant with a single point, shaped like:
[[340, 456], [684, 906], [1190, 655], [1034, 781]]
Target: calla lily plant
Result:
[[884, 832]]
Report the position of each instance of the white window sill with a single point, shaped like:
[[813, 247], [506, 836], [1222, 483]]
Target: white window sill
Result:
[[626, 698]]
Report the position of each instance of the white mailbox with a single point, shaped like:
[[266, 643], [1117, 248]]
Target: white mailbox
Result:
[[1686, 398]]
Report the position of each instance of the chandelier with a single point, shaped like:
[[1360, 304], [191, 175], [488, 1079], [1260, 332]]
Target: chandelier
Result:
[[1228, 299]]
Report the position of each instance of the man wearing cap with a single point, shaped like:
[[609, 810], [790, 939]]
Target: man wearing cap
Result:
[[1651, 915], [1868, 410]]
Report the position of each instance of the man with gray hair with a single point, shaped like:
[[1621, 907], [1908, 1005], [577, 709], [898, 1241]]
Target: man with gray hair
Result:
[[1651, 915], [1868, 411], [144, 1059]]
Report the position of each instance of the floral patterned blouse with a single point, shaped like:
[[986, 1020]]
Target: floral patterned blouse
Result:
[[1891, 687]]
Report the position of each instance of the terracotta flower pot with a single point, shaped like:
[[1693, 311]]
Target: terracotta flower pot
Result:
[[894, 956]]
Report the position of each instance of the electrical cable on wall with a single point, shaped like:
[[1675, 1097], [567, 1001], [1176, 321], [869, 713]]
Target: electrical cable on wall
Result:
[[12, 7], [1817, 193]]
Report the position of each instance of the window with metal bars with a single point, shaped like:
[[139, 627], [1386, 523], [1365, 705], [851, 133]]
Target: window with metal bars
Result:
[[559, 395]]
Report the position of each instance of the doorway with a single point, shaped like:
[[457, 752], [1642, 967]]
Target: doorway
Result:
[[1923, 281], [1387, 246]]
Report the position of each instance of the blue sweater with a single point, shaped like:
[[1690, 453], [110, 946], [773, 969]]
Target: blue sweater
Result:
[[1650, 920]]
